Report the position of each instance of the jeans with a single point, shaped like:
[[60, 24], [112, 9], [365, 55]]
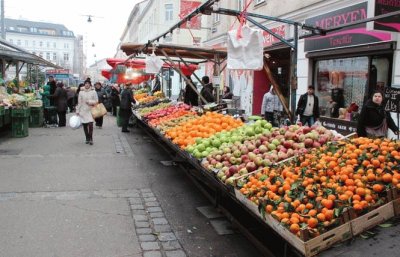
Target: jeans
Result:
[[307, 119]]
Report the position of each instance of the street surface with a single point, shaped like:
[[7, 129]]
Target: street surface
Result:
[[62, 198]]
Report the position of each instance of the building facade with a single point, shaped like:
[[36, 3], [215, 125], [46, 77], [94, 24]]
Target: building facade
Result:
[[353, 61], [53, 42]]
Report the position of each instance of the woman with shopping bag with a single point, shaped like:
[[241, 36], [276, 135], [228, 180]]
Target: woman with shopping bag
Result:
[[86, 101]]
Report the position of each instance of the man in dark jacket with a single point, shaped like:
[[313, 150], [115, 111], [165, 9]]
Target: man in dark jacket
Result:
[[207, 90], [52, 84], [308, 107], [190, 97], [60, 98], [125, 109], [115, 98]]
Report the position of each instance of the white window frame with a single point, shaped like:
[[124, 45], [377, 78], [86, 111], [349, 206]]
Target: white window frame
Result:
[[54, 56], [256, 2], [169, 13], [216, 18]]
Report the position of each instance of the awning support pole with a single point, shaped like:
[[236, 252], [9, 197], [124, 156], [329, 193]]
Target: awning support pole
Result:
[[277, 90], [177, 69], [293, 72]]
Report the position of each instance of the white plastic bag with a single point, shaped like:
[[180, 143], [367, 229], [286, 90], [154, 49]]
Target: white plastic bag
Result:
[[153, 64], [75, 122], [245, 53]]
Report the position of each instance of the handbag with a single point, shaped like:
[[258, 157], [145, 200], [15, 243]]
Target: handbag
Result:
[[378, 131], [98, 111], [246, 52]]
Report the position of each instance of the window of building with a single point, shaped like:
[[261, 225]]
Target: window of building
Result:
[[66, 45], [258, 1], [34, 43], [241, 5], [41, 54], [11, 28], [22, 29], [66, 57], [33, 29], [40, 43], [343, 81], [18, 42], [47, 56], [216, 17], [169, 11], [54, 56]]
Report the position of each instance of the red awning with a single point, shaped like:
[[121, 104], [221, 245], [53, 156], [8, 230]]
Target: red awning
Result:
[[141, 64], [106, 74]]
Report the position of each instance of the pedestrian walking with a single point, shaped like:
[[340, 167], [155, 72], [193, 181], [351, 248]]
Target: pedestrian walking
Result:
[[86, 100], [60, 98], [308, 107], [115, 100], [125, 110], [374, 121], [71, 96], [271, 105], [101, 95]]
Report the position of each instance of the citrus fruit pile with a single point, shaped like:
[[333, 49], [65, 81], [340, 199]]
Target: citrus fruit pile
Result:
[[313, 191]]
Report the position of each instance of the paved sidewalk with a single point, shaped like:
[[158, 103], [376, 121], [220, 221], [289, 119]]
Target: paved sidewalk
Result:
[[61, 197]]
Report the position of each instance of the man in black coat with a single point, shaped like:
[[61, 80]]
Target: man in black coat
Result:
[[308, 107], [125, 108], [60, 98], [190, 97], [208, 90]]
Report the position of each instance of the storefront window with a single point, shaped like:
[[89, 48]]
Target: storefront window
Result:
[[340, 83]]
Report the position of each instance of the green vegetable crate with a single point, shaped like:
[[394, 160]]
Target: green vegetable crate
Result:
[[20, 122], [36, 117]]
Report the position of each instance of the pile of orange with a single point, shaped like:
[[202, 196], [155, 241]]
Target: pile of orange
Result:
[[313, 191], [203, 127]]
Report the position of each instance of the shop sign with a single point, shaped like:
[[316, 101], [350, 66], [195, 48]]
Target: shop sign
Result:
[[344, 127], [349, 36], [57, 71], [384, 7], [392, 99], [269, 39], [186, 8]]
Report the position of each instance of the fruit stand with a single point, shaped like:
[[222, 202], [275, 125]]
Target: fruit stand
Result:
[[294, 188]]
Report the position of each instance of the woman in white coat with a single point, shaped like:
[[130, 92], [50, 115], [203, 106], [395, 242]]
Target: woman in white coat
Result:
[[86, 100]]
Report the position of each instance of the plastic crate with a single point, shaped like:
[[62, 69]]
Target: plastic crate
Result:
[[7, 116], [36, 117], [50, 115], [21, 112], [19, 127], [2, 110]]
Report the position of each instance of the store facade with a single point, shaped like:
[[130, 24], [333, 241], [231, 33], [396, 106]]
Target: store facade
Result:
[[347, 65]]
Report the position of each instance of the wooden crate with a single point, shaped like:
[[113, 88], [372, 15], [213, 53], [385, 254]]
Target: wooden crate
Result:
[[308, 248], [372, 218]]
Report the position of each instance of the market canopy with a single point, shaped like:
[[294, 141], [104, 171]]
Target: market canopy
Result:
[[180, 51]]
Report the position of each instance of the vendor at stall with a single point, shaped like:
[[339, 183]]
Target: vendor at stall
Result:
[[207, 91]]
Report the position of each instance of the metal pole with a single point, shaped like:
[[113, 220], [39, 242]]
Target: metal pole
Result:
[[3, 30], [293, 72]]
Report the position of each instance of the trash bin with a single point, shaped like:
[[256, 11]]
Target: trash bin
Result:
[[119, 121], [36, 117], [20, 122]]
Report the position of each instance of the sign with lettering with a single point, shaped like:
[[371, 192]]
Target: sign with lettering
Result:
[[392, 99], [350, 36], [269, 39], [389, 23], [344, 127]]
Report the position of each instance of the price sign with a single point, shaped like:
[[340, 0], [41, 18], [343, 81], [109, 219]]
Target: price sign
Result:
[[392, 99]]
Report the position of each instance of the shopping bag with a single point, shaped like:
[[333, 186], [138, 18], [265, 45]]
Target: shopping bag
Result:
[[98, 111], [245, 52], [153, 64], [75, 122]]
